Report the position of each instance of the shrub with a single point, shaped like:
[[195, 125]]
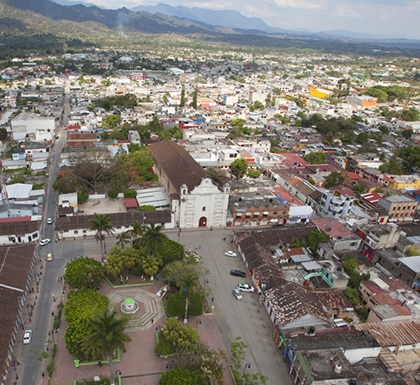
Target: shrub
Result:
[[82, 197], [176, 304], [130, 193], [163, 347], [113, 194]]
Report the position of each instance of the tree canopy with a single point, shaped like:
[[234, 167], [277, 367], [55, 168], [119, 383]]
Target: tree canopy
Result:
[[84, 273], [239, 167], [334, 179], [316, 157]]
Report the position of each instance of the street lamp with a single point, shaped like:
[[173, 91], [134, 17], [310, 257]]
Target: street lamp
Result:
[[247, 366]]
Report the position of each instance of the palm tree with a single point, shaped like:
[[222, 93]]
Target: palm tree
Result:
[[123, 239], [154, 239], [137, 231], [150, 265], [187, 282], [107, 336], [101, 223]]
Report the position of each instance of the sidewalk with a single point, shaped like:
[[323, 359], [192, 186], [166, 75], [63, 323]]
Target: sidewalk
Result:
[[139, 365], [28, 313]]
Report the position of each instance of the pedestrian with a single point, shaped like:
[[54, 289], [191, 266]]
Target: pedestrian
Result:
[[152, 320], [42, 374], [100, 364], [212, 299], [30, 320], [52, 313]]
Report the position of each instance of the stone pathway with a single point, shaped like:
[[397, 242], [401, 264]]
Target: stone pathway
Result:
[[152, 306]]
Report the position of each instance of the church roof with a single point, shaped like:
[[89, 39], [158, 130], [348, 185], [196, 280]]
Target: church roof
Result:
[[177, 164]]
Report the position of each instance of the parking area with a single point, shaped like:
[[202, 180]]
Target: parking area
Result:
[[245, 318]]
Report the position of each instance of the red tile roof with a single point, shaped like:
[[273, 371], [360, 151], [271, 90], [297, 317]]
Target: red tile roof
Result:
[[177, 164], [130, 203]]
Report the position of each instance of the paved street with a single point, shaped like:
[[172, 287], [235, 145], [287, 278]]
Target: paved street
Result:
[[246, 318]]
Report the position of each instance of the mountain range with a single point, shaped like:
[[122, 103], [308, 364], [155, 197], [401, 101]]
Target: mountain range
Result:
[[229, 27]]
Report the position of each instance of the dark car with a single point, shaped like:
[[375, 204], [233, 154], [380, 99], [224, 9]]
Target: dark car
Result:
[[238, 273]]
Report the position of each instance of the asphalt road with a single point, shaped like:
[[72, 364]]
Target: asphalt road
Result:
[[49, 287]]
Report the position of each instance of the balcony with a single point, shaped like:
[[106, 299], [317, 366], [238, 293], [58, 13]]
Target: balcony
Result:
[[336, 209], [337, 201]]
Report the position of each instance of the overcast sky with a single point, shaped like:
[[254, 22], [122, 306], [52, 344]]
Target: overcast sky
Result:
[[398, 18]]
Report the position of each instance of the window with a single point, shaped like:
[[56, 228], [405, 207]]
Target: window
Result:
[[204, 208]]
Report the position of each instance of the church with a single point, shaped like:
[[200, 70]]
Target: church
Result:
[[196, 201]]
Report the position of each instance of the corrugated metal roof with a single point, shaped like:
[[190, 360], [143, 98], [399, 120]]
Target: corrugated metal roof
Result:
[[393, 333]]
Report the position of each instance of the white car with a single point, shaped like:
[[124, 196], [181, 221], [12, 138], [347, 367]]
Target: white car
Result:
[[27, 337], [49, 221], [45, 242], [237, 294], [245, 287], [230, 254]]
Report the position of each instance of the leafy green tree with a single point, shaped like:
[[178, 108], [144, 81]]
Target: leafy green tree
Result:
[[108, 335], [239, 167], [3, 133], [171, 252], [193, 103], [80, 307], [410, 115], [350, 265], [181, 376], [362, 138], [111, 121], [101, 223], [316, 157], [393, 167], [84, 273], [358, 189], [130, 193], [153, 239], [183, 338], [413, 250], [315, 238], [209, 362], [254, 173], [176, 304], [237, 353], [185, 276], [407, 134], [334, 179], [410, 158], [182, 100], [113, 194], [353, 296]]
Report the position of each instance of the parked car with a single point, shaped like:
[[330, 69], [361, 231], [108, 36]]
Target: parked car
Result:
[[245, 287], [49, 221], [27, 337], [49, 257], [45, 241], [230, 254], [237, 294], [238, 273]]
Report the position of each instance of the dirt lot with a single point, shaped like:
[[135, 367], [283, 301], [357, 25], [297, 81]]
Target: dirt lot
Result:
[[103, 206]]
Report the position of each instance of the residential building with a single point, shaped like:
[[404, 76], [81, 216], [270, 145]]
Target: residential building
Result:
[[362, 101], [320, 93], [256, 209], [400, 207], [336, 204], [404, 182], [377, 236], [26, 124]]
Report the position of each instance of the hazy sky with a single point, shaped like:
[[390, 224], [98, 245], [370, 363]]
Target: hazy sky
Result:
[[398, 18]]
